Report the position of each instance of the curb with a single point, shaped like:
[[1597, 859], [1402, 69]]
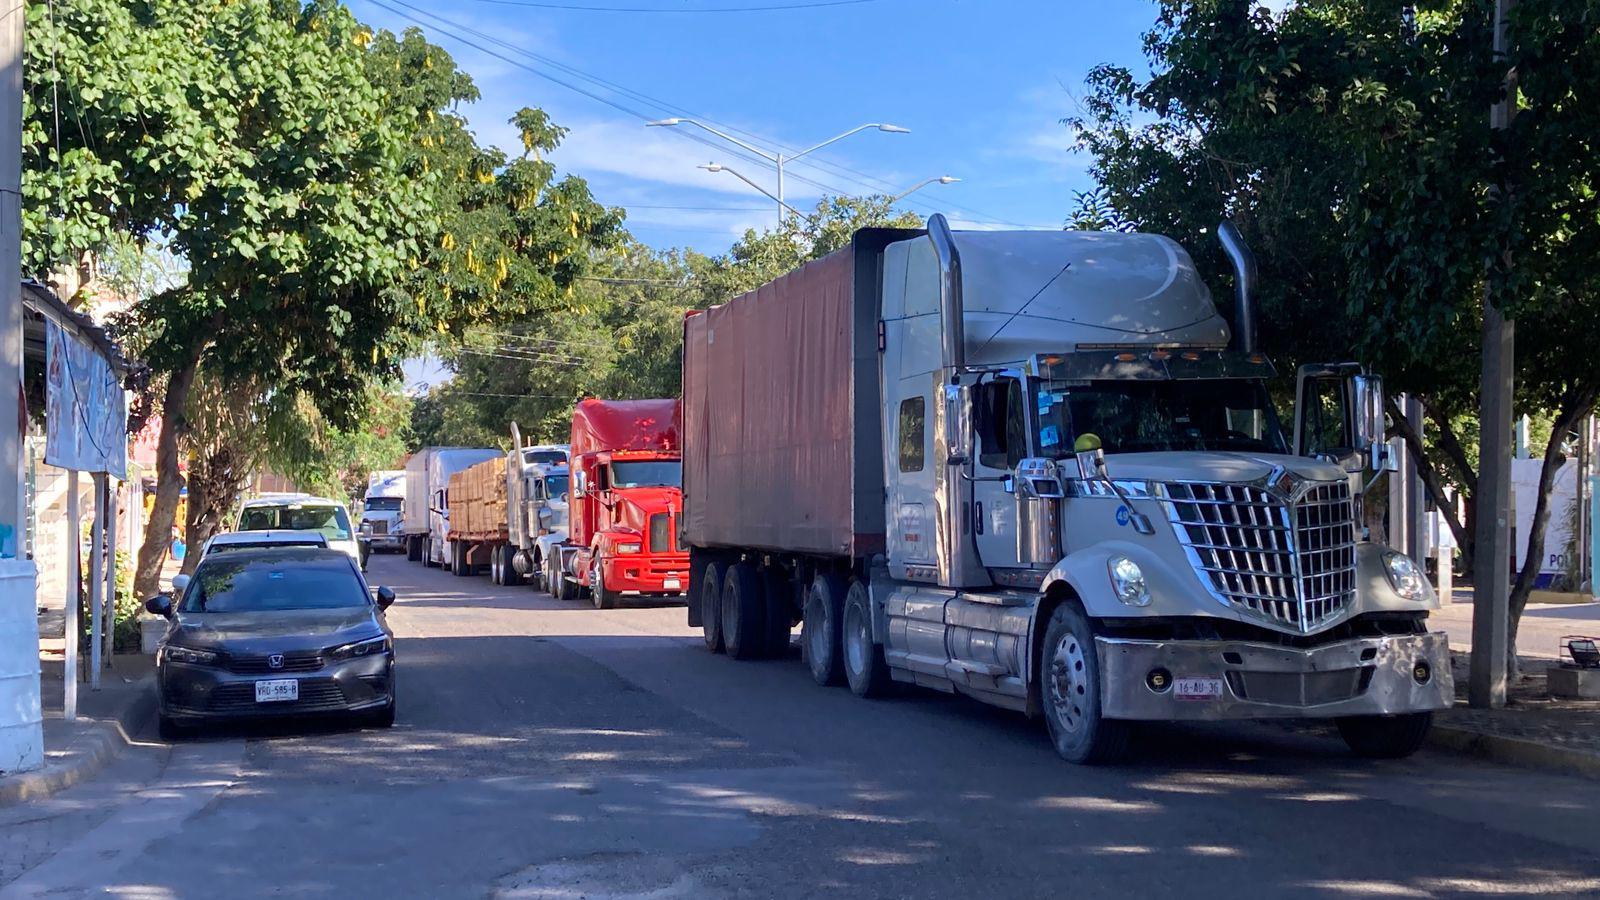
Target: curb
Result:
[[105, 743], [1516, 751]]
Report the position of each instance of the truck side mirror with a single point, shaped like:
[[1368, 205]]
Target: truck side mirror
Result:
[[1338, 416], [1366, 401], [958, 423]]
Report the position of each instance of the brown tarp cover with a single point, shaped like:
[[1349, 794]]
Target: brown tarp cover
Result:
[[767, 409]]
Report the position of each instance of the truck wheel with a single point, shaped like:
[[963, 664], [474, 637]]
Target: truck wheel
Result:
[[820, 628], [552, 577], [779, 611], [603, 599], [509, 575], [413, 549], [864, 667], [1069, 680], [711, 605], [495, 577], [743, 612], [1385, 737]]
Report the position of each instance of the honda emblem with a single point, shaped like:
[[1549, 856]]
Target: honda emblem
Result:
[[275, 661]]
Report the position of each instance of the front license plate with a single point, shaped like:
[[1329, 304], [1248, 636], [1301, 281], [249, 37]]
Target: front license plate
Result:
[[672, 584], [277, 691], [1198, 688]]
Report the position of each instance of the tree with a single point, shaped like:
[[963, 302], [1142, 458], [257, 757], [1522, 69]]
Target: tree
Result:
[[325, 232], [1349, 140]]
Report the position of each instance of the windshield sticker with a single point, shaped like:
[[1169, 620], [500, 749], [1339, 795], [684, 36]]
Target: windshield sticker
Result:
[[1050, 436], [1047, 400]]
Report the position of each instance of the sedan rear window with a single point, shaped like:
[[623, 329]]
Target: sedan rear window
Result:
[[258, 582], [330, 520]]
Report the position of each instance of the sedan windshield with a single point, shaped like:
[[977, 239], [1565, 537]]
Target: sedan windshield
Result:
[[653, 473], [268, 580], [1136, 416], [331, 520]]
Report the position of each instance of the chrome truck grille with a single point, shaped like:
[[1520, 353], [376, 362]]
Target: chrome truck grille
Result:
[[1291, 562]]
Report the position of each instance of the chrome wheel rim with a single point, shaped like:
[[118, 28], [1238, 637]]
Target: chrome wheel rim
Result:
[[1069, 684]]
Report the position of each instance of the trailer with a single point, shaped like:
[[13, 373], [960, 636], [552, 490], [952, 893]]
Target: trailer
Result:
[[425, 518], [1041, 470]]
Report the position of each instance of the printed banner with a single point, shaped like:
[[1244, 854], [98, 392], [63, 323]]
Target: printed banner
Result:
[[86, 409]]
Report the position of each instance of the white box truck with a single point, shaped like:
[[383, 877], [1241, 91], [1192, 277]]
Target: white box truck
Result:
[[425, 517]]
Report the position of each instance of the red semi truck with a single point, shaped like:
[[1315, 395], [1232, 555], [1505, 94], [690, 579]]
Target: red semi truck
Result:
[[626, 498]]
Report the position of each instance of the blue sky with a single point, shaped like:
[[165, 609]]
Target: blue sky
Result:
[[982, 84]]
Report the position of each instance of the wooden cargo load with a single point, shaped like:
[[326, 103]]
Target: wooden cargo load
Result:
[[477, 502]]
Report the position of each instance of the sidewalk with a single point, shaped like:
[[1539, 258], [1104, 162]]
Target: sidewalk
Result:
[[1532, 729], [107, 721]]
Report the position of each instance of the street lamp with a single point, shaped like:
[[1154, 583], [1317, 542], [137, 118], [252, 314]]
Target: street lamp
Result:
[[718, 167], [942, 179], [778, 159]]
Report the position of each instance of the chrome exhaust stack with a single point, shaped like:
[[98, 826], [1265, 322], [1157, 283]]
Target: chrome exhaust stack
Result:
[[951, 306], [1245, 278]]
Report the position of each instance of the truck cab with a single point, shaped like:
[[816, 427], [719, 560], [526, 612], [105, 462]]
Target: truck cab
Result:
[[625, 500]]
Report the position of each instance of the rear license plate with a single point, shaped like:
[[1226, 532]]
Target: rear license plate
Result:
[[277, 691], [672, 584], [1198, 688]]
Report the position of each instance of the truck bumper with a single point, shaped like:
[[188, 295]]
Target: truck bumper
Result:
[[644, 574], [1377, 676]]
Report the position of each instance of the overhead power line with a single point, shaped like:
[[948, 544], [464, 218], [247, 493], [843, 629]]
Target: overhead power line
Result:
[[871, 183]]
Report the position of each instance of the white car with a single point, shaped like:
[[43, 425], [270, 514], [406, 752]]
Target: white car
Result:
[[302, 512], [245, 540]]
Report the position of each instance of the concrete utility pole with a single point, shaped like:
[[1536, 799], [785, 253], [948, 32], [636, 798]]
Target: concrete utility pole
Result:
[[1491, 571], [21, 733]]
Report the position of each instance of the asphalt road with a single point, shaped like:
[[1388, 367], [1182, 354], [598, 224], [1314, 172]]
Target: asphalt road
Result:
[[552, 750]]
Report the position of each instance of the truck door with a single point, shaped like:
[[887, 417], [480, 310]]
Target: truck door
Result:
[[909, 471], [1000, 419]]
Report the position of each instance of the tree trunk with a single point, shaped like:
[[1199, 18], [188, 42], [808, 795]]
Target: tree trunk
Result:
[[1573, 409], [158, 530], [216, 476], [1428, 468]]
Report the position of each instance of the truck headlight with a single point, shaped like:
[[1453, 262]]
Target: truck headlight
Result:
[[1404, 576], [1127, 581], [628, 548]]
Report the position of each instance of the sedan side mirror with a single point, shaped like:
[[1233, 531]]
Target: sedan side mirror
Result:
[[180, 583], [385, 597], [159, 605]]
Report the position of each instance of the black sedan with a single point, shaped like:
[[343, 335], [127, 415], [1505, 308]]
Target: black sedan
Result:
[[272, 632]]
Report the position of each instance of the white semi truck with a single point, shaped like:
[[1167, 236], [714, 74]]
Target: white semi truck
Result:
[[381, 509], [537, 487], [426, 517], [1041, 470]]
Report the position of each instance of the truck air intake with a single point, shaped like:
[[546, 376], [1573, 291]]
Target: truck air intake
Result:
[[1244, 278]]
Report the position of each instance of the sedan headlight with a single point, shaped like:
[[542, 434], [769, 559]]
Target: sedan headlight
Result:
[[368, 647], [1127, 581], [189, 655], [629, 548], [1405, 577]]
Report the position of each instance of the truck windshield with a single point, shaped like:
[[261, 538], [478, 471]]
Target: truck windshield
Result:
[[555, 487], [651, 473], [1136, 416], [386, 504]]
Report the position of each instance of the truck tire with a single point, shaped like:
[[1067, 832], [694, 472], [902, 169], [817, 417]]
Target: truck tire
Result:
[[864, 667], [413, 549], [495, 576], [603, 599], [458, 559], [820, 628], [779, 611], [1385, 737], [552, 576], [1069, 688], [710, 600], [509, 576], [744, 612]]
